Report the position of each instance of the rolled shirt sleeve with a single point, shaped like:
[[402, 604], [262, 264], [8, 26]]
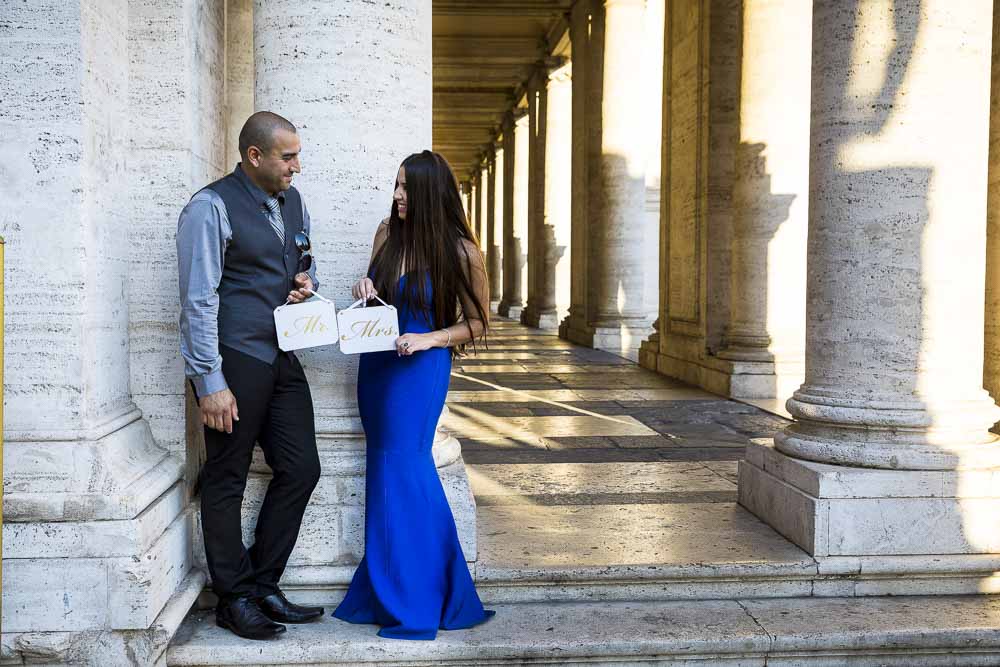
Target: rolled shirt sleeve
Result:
[[307, 228], [203, 234]]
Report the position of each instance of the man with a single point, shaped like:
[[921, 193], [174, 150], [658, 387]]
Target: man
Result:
[[238, 259]]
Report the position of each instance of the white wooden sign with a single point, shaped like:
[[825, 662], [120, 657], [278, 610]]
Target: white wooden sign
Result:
[[308, 324], [373, 329]]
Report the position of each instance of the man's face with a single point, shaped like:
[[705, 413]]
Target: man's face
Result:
[[275, 168]]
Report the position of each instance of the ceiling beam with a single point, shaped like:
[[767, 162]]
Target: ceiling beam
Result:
[[500, 7], [487, 46]]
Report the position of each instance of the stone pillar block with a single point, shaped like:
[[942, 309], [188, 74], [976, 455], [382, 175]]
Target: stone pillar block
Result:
[[831, 510]]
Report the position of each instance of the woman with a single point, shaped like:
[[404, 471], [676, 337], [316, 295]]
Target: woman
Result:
[[425, 261]]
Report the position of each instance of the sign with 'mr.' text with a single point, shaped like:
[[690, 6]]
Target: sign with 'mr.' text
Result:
[[373, 329], [308, 324]]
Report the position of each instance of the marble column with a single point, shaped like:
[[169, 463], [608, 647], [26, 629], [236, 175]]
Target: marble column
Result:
[[700, 135], [890, 452], [581, 27], [765, 342], [516, 221], [494, 223], [536, 97], [618, 317], [991, 361], [549, 249], [349, 166], [477, 206], [96, 539]]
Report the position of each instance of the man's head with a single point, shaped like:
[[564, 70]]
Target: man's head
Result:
[[270, 149]]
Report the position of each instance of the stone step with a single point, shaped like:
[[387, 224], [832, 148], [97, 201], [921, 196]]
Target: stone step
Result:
[[885, 631], [722, 580]]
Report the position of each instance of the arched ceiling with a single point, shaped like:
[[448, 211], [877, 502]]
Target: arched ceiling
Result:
[[483, 52]]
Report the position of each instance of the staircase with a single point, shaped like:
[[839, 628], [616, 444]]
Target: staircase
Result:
[[608, 534]]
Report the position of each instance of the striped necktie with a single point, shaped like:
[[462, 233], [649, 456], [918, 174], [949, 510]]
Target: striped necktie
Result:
[[274, 216]]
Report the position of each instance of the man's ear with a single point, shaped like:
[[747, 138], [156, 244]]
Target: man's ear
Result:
[[254, 155]]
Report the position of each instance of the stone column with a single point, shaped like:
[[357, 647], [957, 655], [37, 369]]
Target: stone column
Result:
[[991, 362], [551, 240], [894, 349], [537, 103], [494, 223], [618, 319], [701, 102], [575, 325], [96, 539], [766, 338], [349, 166], [516, 222], [477, 206]]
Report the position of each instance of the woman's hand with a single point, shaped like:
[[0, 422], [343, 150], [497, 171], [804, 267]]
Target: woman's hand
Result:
[[409, 343], [364, 289]]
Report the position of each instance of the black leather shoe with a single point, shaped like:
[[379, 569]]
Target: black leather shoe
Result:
[[243, 617], [277, 608]]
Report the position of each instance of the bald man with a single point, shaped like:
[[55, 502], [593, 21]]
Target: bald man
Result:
[[243, 250]]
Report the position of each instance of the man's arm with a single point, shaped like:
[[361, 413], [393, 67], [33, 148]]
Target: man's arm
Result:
[[203, 233]]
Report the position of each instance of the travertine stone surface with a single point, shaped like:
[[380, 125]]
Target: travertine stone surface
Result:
[[770, 195], [897, 632], [550, 254], [92, 501], [515, 216], [177, 130], [895, 351], [493, 203], [361, 106], [574, 326], [616, 316], [991, 361], [831, 510], [239, 73], [700, 129]]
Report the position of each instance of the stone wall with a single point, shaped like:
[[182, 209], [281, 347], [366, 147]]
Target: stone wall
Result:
[[177, 134], [125, 119]]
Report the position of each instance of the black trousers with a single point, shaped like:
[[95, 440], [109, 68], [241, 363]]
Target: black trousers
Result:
[[276, 411]]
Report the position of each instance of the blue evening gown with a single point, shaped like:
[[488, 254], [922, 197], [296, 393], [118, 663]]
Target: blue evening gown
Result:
[[413, 579]]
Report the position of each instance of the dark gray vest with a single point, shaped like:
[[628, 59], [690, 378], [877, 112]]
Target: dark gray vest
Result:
[[258, 273]]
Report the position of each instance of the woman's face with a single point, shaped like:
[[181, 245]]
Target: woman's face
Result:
[[399, 196]]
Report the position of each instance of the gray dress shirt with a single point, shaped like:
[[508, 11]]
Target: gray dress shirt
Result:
[[203, 234]]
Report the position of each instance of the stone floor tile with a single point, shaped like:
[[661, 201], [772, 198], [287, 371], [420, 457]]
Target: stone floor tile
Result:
[[527, 536], [498, 396], [878, 622], [568, 478]]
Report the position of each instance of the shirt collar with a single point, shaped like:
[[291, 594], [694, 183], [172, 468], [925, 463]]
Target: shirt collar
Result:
[[259, 195]]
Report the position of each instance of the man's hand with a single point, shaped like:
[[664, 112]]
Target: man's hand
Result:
[[219, 411], [305, 285]]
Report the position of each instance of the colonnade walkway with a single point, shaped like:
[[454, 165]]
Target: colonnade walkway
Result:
[[612, 536], [616, 467]]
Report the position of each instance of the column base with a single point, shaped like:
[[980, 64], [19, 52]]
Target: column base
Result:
[[734, 378], [495, 306], [540, 319], [649, 351], [621, 337], [513, 311], [832, 510]]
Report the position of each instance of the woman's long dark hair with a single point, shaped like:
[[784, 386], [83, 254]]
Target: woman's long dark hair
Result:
[[430, 239]]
